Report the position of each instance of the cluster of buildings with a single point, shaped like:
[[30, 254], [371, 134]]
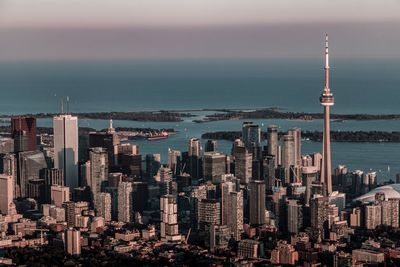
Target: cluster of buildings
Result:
[[260, 204]]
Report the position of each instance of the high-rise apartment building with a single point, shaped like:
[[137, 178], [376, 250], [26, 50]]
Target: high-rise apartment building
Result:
[[235, 218], [169, 219], [72, 241], [125, 213], [98, 157], [104, 206]]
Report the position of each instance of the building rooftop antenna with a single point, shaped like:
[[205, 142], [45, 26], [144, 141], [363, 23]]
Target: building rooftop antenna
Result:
[[62, 106], [67, 104]]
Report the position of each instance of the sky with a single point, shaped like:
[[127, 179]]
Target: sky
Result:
[[158, 29]]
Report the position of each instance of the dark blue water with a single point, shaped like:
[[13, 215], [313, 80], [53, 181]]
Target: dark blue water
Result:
[[359, 86]]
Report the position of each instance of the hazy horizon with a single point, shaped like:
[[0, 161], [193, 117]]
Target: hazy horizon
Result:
[[178, 29]]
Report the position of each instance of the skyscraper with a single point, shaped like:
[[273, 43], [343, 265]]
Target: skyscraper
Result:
[[294, 216], [257, 202], [108, 140], [23, 131], [174, 161], [169, 219], [214, 166], [288, 156], [66, 147], [235, 218], [30, 166], [194, 158], [272, 139], [326, 100], [98, 171], [125, 213], [251, 134], [104, 206], [243, 162], [6, 193], [296, 133]]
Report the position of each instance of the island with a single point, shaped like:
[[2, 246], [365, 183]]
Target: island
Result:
[[276, 113]]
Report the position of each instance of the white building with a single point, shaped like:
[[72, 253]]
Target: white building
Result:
[[66, 147], [72, 241]]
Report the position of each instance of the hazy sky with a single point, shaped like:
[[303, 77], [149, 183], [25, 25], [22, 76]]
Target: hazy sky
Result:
[[107, 29]]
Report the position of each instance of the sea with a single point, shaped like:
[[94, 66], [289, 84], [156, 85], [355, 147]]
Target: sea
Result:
[[370, 86]]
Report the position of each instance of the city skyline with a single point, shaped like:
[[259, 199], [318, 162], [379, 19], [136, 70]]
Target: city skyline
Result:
[[195, 135]]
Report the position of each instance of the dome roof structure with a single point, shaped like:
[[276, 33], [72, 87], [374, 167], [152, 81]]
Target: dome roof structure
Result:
[[390, 191]]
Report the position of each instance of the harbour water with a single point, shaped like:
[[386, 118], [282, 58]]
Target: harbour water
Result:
[[360, 86]]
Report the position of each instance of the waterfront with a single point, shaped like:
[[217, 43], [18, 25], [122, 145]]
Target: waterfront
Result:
[[175, 85], [363, 156]]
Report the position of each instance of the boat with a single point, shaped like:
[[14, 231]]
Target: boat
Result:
[[159, 136]]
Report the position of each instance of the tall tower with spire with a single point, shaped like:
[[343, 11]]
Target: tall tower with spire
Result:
[[326, 100]]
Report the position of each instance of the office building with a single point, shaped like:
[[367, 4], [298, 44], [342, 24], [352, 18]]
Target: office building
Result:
[[30, 166], [294, 216], [52, 177], [243, 162], [194, 159], [251, 135], [59, 195], [257, 202], [23, 131], [66, 148], [211, 146], [109, 141], [153, 165], [174, 161], [214, 166]]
